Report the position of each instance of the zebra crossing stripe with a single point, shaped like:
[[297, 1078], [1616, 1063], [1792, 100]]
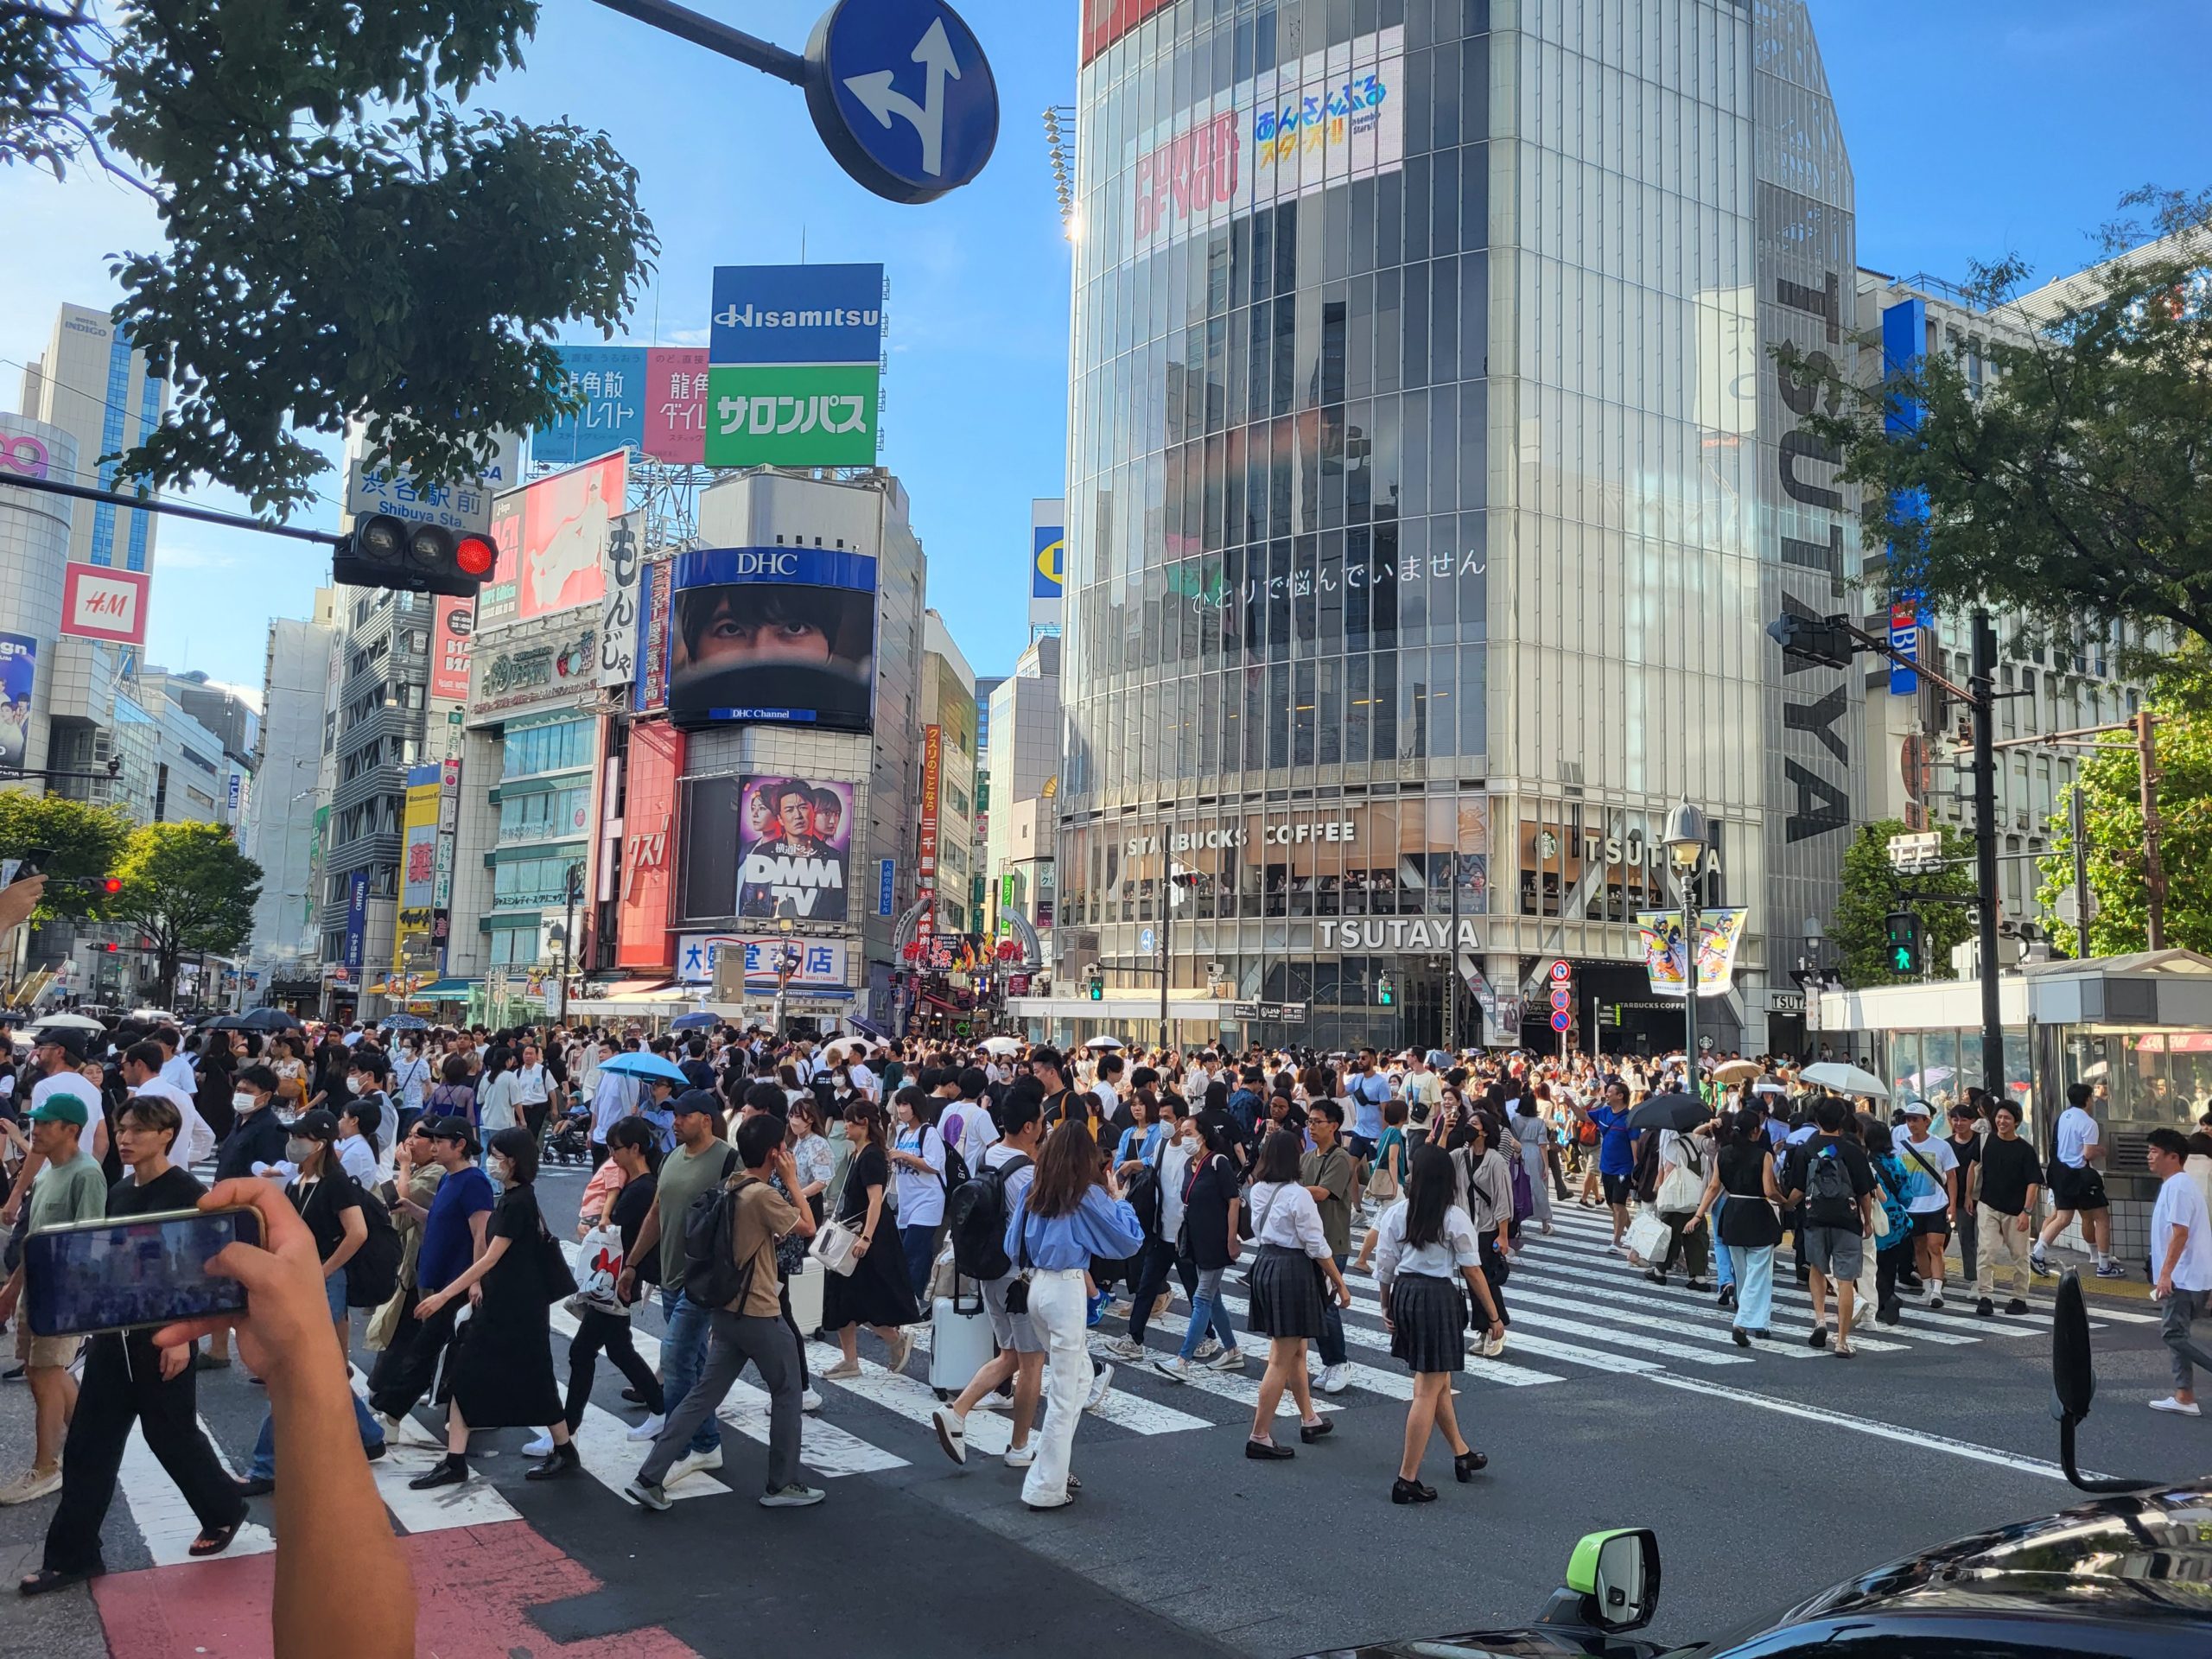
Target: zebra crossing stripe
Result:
[[1237, 1385], [1133, 1412], [164, 1520], [1583, 1283], [472, 1504], [603, 1442], [1593, 1332], [987, 1432]]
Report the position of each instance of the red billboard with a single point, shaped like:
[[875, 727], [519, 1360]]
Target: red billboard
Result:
[[648, 892], [552, 536], [1105, 21], [676, 403]]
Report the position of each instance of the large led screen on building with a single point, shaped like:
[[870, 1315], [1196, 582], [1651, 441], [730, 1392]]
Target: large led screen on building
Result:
[[761, 847], [783, 634]]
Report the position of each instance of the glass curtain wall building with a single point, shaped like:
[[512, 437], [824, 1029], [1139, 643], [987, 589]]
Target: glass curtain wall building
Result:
[[1429, 489]]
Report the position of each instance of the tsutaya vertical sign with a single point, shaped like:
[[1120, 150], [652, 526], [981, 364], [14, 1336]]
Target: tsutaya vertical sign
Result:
[[1806, 254]]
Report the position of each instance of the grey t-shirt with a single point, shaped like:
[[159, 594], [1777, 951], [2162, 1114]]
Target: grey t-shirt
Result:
[[76, 1190]]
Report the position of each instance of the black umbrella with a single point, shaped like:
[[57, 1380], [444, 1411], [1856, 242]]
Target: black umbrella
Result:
[[1680, 1113], [269, 1020], [225, 1022]]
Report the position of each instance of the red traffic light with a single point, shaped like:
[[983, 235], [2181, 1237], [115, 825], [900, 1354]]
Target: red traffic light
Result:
[[384, 551], [472, 554], [110, 947], [112, 885]]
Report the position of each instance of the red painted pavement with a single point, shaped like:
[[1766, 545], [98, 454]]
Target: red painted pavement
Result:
[[473, 1585]]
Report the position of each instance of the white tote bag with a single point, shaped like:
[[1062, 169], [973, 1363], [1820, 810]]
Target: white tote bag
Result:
[[598, 1263], [835, 1246], [1649, 1237]]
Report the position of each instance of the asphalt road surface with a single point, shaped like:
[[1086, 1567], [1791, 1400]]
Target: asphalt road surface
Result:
[[1767, 1475]]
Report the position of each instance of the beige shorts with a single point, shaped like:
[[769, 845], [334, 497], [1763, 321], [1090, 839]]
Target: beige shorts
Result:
[[56, 1351]]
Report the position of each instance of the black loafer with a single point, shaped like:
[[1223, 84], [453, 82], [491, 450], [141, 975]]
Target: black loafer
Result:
[[450, 1471], [1309, 1432], [1268, 1451], [1468, 1465], [255, 1486]]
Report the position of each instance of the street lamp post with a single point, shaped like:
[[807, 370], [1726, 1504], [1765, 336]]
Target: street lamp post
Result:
[[572, 890], [1688, 836], [787, 960]]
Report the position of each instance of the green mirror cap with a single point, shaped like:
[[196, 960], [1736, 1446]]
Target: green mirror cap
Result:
[[1582, 1565]]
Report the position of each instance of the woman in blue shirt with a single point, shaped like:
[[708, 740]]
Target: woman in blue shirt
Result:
[[1071, 1211]]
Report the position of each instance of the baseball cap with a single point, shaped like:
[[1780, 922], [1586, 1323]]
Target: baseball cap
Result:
[[70, 1039], [318, 1125], [694, 1100], [1919, 1109], [443, 1128], [53, 1101]]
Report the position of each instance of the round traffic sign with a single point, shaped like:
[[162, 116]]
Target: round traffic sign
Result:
[[1560, 1021], [1561, 970], [902, 95], [1146, 940], [1563, 998]]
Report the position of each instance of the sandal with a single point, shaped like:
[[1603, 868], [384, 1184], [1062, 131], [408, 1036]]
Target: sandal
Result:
[[47, 1580], [213, 1540]]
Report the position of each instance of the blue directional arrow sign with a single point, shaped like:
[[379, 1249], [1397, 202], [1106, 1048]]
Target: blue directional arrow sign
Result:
[[1145, 941], [902, 95]]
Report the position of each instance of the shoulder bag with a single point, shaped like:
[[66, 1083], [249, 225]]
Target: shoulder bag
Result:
[[834, 1247]]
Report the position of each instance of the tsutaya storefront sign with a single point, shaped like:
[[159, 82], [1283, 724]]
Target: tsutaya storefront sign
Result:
[[1408, 933]]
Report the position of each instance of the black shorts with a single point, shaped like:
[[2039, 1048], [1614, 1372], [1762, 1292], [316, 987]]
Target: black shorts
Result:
[[1931, 1223], [1617, 1188], [2077, 1189]]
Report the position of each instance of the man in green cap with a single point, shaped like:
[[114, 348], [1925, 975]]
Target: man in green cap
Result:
[[70, 1187]]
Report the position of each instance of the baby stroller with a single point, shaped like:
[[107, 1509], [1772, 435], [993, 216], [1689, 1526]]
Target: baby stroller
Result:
[[568, 1139]]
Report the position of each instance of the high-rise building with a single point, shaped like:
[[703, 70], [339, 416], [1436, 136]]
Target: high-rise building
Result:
[[950, 707], [1432, 478], [92, 383], [281, 818], [1023, 759]]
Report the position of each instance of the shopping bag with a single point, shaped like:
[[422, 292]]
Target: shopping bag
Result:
[[599, 1264], [1649, 1237]]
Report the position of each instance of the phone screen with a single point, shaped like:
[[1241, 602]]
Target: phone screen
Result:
[[145, 1270]]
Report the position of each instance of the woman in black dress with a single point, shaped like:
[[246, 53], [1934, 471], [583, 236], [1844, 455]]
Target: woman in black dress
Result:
[[877, 1291], [502, 1371]]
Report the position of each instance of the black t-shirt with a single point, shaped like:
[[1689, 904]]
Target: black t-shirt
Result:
[[631, 1206], [1968, 1153], [174, 1188], [1841, 1213], [2009, 1168], [322, 1204]]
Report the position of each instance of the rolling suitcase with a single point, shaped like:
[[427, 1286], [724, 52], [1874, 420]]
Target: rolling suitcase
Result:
[[960, 1338], [805, 1290]]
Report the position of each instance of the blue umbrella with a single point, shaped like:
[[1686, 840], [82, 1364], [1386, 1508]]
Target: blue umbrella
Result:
[[694, 1022], [403, 1022], [644, 1066]]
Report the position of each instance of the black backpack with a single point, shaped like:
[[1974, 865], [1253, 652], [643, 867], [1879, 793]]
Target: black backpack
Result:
[[1144, 1195], [978, 1215], [712, 1277], [372, 1271]]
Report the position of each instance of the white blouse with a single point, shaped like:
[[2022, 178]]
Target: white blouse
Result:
[[1283, 1213], [1457, 1248]]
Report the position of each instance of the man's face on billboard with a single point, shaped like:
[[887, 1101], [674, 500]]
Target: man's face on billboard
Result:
[[734, 639], [794, 812]]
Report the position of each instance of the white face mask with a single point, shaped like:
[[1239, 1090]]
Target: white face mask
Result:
[[501, 1169], [242, 1102], [353, 1085]]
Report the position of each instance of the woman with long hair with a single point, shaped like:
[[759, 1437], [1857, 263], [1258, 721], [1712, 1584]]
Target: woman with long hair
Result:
[[453, 1095], [877, 1291], [1483, 1188], [1749, 1224], [1425, 1242], [1294, 1269], [502, 1370], [1209, 1244], [1071, 1211], [213, 1097]]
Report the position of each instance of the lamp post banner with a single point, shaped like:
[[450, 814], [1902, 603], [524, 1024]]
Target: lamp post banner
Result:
[[1718, 933]]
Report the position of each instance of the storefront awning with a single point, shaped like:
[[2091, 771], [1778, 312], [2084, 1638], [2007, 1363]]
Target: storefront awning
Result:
[[446, 990], [628, 990]]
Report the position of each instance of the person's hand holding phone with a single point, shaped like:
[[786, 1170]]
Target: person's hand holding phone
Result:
[[287, 1321]]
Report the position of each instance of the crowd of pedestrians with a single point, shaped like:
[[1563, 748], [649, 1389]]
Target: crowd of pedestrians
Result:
[[1040, 1196]]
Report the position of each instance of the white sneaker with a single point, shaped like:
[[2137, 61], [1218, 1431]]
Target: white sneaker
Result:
[[1173, 1368], [648, 1430], [951, 1433], [1120, 1308], [1230, 1359], [1020, 1457], [2176, 1406], [405, 1431], [993, 1401], [1209, 1349], [32, 1484], [692, 1463], [1125, 1348], [540, 1448], [646, 1496], [1335, 1379], [1101, 1380], [792, 1498], [809, 1401]]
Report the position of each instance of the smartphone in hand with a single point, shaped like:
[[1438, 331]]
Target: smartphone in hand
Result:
[[133, 1271]]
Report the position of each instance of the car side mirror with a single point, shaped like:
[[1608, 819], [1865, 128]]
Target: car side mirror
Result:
[[1613, 1583], [2074, 1385]]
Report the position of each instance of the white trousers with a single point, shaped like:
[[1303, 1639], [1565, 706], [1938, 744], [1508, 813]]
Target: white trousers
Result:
[[1056, 1309]]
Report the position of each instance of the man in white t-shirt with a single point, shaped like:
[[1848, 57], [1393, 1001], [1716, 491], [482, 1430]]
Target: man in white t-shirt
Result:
[[176, 1067], [145, 1074], [2181, 1264], [1931, 1197], [2077, 1185], [864, 1080], [966, 1120]]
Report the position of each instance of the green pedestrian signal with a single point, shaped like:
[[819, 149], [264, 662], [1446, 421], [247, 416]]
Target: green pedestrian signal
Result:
[[1385, 993], [1907, 942]]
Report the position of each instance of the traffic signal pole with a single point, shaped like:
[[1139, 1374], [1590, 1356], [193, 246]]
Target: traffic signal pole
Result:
[[1982, 682]]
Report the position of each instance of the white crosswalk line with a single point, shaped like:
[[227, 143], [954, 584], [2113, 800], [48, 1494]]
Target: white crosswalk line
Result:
[[165, 1521], [1594, 1332], [987, 1432], [1581, 1283], [603, 1442], [1130, 1411], [474, 1503], [1242, 1387], [1359, 1336], [822, 1447]]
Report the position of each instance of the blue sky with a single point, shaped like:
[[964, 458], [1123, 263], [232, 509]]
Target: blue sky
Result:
[[1976, 128]]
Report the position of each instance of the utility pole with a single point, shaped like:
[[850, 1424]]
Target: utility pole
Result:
[[2078, 831], [1451, 960], [1982, 682], [2154, 866], [572, 889]]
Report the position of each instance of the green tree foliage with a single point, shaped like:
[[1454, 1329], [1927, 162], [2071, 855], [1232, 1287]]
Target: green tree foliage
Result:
[[2077, 487], [2111, 781], [187, 888], [346, 239], [73, 842], [1870, 893]]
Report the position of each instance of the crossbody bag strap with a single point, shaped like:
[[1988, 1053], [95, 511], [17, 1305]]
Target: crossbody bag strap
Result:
[[1913, 1153]]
